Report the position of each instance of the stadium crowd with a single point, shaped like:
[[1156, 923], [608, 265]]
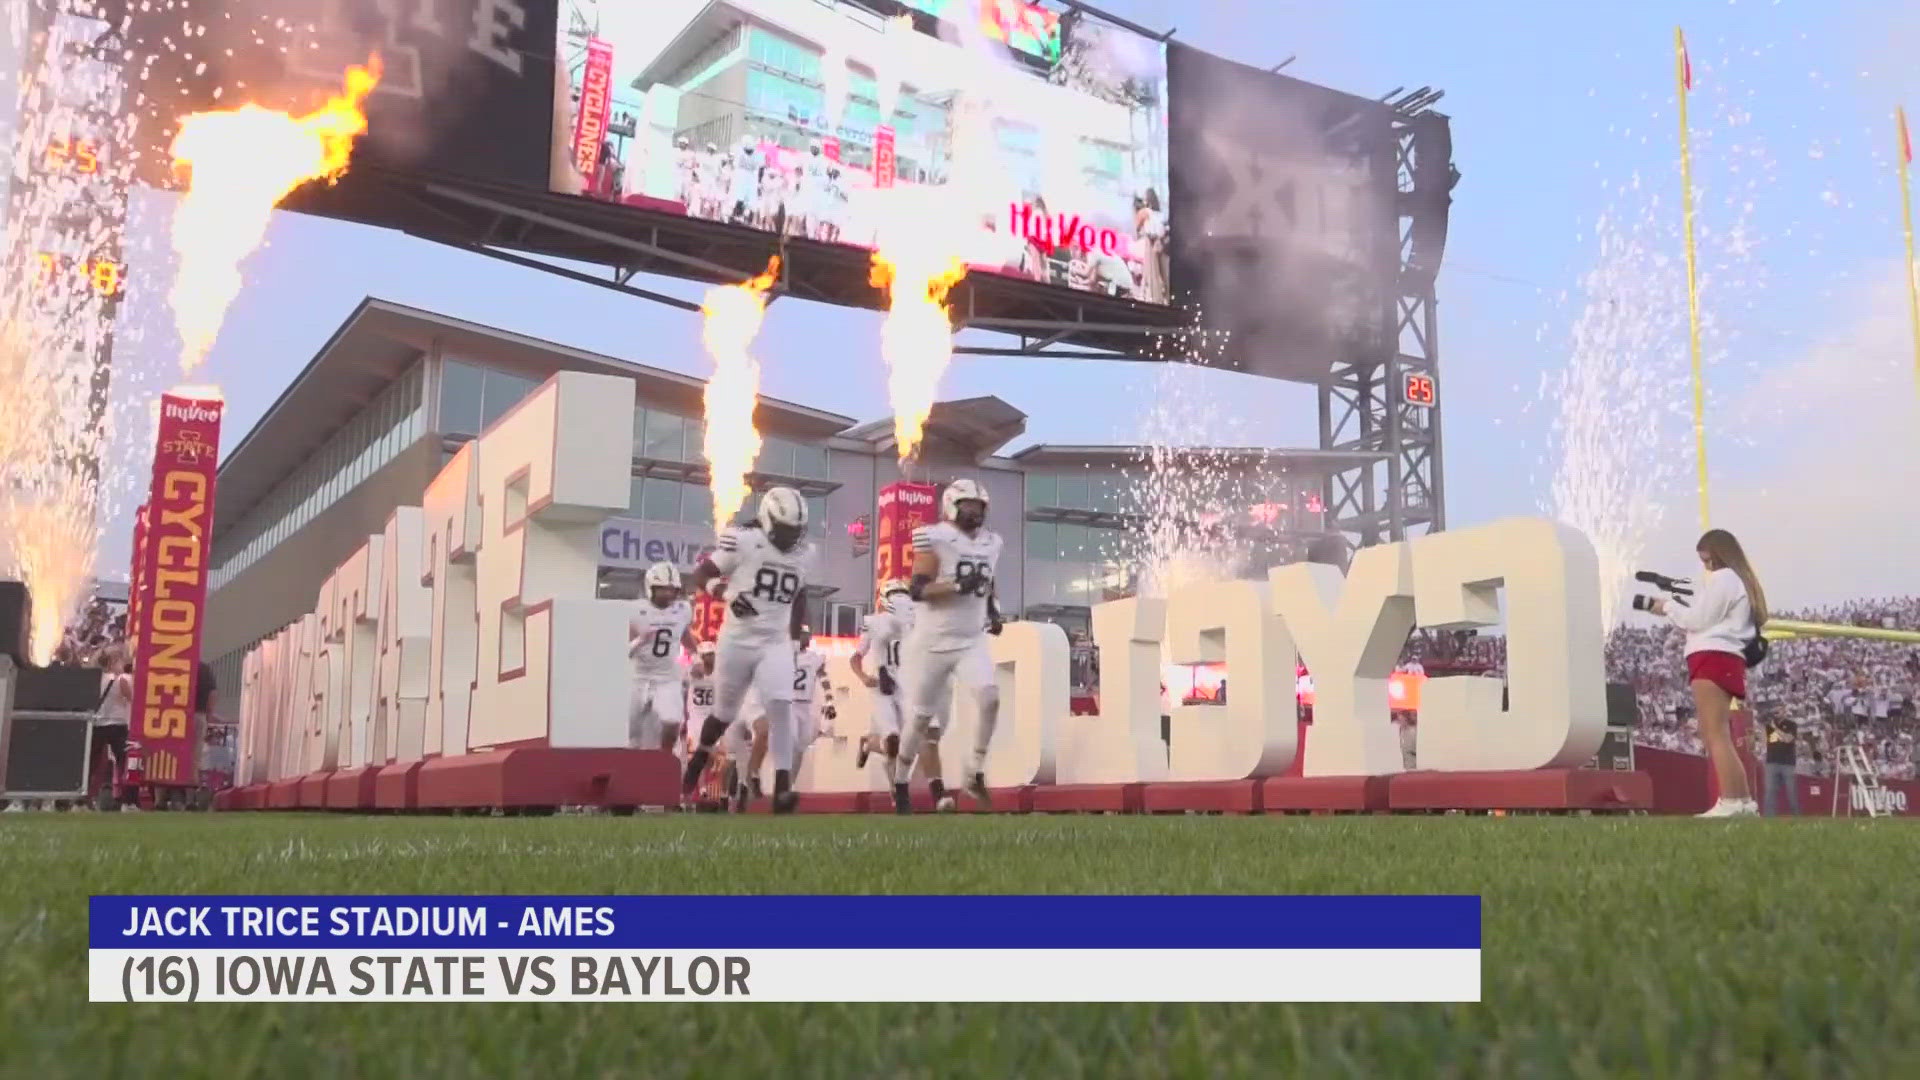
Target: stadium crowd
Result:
[[101, 626], [1835, 690]]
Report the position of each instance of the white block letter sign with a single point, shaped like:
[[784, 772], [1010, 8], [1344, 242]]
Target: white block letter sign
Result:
[[451, 531], [1557, 712], [552, 664], [1350, 632], [1254, 735]]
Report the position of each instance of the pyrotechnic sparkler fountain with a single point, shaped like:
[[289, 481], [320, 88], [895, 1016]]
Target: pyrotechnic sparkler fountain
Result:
[[1621, 442], [1189, 499], [64, 280], [72, 163]]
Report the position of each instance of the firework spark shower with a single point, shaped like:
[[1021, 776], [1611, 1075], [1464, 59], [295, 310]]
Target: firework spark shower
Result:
[[1620, 404]]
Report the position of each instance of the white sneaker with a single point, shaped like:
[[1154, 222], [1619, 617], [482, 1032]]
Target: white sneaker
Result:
[[1724, 808], [946, 805]]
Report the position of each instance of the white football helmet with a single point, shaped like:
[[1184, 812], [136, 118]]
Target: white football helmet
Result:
[[959, 491], [783, 515], [662, 575], [896, 598], [782, 506]]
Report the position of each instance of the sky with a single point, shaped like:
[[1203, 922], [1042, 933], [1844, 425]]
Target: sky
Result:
[[1565, 136]]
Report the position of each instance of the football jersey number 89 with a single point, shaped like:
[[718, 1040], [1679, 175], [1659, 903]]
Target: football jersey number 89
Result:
[[971, 578], [776, 586]]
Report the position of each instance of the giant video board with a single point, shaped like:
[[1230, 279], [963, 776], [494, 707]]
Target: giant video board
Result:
[[1081, 157], [1288, 246], [1045, 133]]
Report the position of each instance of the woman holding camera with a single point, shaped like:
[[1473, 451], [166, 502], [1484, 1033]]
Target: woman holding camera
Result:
[[1726, 612]]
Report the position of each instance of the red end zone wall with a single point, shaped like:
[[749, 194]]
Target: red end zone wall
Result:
[[1683, 784]]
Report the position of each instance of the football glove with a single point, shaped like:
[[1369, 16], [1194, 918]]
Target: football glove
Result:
[[886, 682], [742, 607]]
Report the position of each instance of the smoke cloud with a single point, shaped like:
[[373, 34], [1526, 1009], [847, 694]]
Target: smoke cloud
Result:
[[1283, 222]]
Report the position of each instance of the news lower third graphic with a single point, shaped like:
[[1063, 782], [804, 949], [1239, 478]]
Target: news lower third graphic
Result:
[[785, 948]]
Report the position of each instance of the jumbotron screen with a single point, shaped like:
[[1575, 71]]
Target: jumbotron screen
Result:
[[1047, 130]]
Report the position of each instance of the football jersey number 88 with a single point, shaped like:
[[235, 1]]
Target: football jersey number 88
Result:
[[972, 577]]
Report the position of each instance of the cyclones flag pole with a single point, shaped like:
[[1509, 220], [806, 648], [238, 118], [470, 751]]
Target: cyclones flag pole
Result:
[[596, 103], [167, 612], [1683, 74], [1906, 217]]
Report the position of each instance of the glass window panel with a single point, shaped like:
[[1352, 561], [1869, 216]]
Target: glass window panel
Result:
[[633, 495], [503, 392], [817, 514], [1041, 540], [460, 394], [696, 506], [776, 457], [696, 440], [666, 435], [1042, 489], [1073, 542], [810, 461], [1073, 493], [660, 500]]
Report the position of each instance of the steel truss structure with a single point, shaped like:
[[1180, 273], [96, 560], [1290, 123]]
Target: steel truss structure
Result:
[[1398, 493], [1363, 405]]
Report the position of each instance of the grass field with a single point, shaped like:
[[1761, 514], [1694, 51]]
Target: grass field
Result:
[[1646, 947]]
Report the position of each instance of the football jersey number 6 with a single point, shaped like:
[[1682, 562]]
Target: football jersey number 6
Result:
[[662, 642]]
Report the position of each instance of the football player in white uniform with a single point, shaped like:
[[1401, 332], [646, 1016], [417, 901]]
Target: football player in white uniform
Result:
[[953, 566], [762, 567], [660, 627], [876, 663], [699, 696], [812, 695], [746, 747]]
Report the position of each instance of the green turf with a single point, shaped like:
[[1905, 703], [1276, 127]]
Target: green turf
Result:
[[1642, 947]]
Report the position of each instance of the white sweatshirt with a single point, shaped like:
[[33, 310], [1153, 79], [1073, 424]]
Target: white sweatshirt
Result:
[[1717, 617]]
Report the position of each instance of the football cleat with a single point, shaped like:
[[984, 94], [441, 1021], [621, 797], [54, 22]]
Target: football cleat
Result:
[[977, 787]]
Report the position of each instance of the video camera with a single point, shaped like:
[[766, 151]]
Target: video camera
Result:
[[1678, 588]]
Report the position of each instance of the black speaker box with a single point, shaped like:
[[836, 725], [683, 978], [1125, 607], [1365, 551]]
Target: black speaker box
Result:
[[16, 620], [57, 689], [1623, 707]]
